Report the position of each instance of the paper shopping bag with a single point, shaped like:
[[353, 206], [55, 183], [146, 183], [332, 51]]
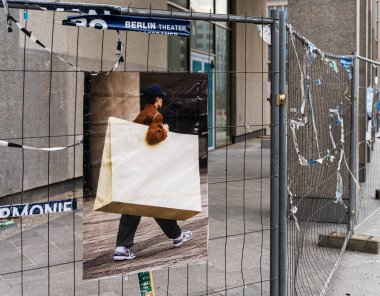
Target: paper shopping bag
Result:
[[161, 180]]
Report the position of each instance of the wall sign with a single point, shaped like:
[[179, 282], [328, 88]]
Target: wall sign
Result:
[[131, 23], [30, 209]]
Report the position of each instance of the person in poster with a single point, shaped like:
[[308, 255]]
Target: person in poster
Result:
[[157, 133], [160, 174]]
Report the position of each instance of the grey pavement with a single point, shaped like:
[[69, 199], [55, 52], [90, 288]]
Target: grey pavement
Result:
[[359, 273], [238, 208]]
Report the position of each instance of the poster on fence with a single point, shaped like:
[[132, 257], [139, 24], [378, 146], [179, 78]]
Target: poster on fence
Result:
[[145, 172]]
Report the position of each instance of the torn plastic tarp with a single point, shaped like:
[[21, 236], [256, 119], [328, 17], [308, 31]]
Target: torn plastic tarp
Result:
[[339, 122], [309, 58], [327, 156], [6, 9], [5, 5], [295, 124], [339, 190], [339, 181], [293, 208], [310, 100], [265, 33], [310, 55], [332, 64], [346, 64], [78, 141], [337, 113]]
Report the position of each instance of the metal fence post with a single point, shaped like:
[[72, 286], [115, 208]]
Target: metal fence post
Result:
[[353, 145], [274, 162], [283, 176]]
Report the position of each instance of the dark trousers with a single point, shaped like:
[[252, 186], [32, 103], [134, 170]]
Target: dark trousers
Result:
[[128, 226]]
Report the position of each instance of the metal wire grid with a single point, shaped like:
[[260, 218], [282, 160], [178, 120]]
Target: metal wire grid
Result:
[[366, 201], [238, 187], [309, 266]]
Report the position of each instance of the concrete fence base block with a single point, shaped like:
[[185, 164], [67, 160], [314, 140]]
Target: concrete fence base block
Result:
[[359, 243]]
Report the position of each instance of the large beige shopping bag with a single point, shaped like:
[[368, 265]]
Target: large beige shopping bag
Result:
[[159, 181]]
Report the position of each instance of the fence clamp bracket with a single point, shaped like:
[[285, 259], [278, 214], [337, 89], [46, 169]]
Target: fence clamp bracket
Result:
[[281, 100]]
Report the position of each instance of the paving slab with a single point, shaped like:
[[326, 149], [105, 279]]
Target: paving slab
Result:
[[224, 255], [359, 273]]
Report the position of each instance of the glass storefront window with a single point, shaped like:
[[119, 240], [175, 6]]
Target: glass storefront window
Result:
[[202, 36], [210, 41], [270, 8], [221, 6], [178, 54], [202, 5], [222, 88], [178, 50]]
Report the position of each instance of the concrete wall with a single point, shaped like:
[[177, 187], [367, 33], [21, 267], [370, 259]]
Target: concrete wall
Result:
[[330, 25], [25, 100], [376, 25], [249, 54]]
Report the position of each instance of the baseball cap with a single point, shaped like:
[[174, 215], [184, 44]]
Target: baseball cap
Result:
[[156, 91]]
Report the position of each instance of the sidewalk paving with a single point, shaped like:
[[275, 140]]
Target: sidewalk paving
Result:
[[231, 261], [359, 273]]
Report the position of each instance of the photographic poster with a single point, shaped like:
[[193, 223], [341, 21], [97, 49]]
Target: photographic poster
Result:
[[145, 172]]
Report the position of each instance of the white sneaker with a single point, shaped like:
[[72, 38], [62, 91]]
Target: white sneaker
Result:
[[184, 237], [123, 253]]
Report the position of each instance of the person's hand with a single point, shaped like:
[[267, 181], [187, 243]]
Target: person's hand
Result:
[[166, 127]]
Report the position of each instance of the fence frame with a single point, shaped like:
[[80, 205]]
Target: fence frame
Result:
[[120, 10], [278, 118], [283, 170], [353, 145], [278, 175], [274, 157]]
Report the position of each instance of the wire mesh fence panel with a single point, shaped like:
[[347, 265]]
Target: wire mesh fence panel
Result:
[[319, 106], [367, 197], [45, 68], [43, 107]]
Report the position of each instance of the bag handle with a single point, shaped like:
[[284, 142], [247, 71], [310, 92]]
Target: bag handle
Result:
[[154, 116], [149, 121]]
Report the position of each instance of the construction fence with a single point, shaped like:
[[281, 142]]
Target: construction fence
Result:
[[269, 209]]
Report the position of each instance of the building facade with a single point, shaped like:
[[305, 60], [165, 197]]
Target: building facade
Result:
[[348, 26], [43, 97]]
